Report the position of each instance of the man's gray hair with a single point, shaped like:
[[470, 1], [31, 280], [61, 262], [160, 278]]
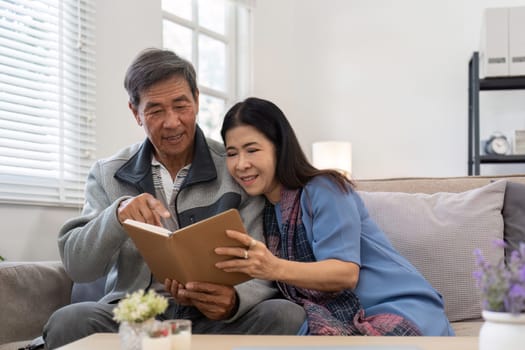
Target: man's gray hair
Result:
[[152, 66]]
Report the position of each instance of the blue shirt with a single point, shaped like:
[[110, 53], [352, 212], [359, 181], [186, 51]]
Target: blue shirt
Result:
[[338, 227]]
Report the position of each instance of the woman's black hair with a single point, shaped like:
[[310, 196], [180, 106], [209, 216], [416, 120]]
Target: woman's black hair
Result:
[[293, 170]]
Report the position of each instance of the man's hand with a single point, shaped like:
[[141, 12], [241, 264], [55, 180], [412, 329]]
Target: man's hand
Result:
[[216, 302], [174, 287], [144, 208]]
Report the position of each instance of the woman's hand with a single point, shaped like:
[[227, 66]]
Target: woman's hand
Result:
[[254, 260], [330, 275]]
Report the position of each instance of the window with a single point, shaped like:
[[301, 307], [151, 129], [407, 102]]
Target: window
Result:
[[214, 35], [47, 100]]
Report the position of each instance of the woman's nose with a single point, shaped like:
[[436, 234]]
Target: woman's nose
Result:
[[242, 162]]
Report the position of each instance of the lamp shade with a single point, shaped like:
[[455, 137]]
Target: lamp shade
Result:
[[333, 155]]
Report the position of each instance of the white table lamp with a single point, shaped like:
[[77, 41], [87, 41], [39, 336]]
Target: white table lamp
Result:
[[333, 155]]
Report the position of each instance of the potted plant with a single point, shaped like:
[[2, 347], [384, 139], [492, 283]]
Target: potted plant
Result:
[[502, 286], [135, 313]]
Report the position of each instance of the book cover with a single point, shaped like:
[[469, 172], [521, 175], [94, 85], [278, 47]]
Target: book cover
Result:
[[188, 253]]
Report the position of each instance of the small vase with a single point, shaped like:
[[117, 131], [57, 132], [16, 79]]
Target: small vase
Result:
[[502, 330], [131, 333]]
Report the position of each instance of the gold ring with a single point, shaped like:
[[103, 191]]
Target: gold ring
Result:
[[253, 243], [245, 254]]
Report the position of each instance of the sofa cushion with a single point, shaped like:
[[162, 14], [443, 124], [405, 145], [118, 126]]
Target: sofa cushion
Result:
[[30, 292], [514, 215], [467, 328], [438, 233]]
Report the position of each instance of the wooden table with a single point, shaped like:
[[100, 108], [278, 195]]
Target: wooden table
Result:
[[110, 341]]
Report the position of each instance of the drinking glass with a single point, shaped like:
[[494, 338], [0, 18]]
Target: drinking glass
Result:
[[157, 337], [180, 334]]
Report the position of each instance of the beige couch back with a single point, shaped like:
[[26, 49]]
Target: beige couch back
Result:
[[432, 184]]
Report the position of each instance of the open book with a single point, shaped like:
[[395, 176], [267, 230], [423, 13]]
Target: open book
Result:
[[188, 253]]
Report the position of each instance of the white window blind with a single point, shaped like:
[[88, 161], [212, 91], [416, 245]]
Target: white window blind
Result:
[[47, 100]]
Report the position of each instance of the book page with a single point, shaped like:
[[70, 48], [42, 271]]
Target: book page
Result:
[[148, 227]]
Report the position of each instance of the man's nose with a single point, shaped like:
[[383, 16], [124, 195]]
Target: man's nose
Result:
[[172, 118]]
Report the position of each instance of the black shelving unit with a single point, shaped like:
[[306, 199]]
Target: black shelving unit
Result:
[[475, 85]]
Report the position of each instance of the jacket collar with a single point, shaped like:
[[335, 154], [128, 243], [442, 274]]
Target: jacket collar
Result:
[[137, 170]]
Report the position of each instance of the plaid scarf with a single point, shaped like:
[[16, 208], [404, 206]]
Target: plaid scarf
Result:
[[328, 313]]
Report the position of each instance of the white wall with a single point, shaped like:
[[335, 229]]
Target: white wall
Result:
[[389, 76], [124, 28]]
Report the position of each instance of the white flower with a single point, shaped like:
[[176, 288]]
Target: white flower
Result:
[[138, 307]]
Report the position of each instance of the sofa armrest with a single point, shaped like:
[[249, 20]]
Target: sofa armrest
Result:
[[30, 292]]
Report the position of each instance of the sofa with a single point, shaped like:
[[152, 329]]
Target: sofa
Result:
[[435, 222]]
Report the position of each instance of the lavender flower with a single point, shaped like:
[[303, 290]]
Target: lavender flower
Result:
[[502, 284]]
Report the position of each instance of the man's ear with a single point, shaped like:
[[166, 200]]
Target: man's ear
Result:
[[135, 113]]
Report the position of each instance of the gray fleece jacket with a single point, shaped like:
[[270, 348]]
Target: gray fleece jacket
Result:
[[95, 244]]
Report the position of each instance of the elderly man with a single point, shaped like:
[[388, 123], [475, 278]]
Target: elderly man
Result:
[[174, 178]]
